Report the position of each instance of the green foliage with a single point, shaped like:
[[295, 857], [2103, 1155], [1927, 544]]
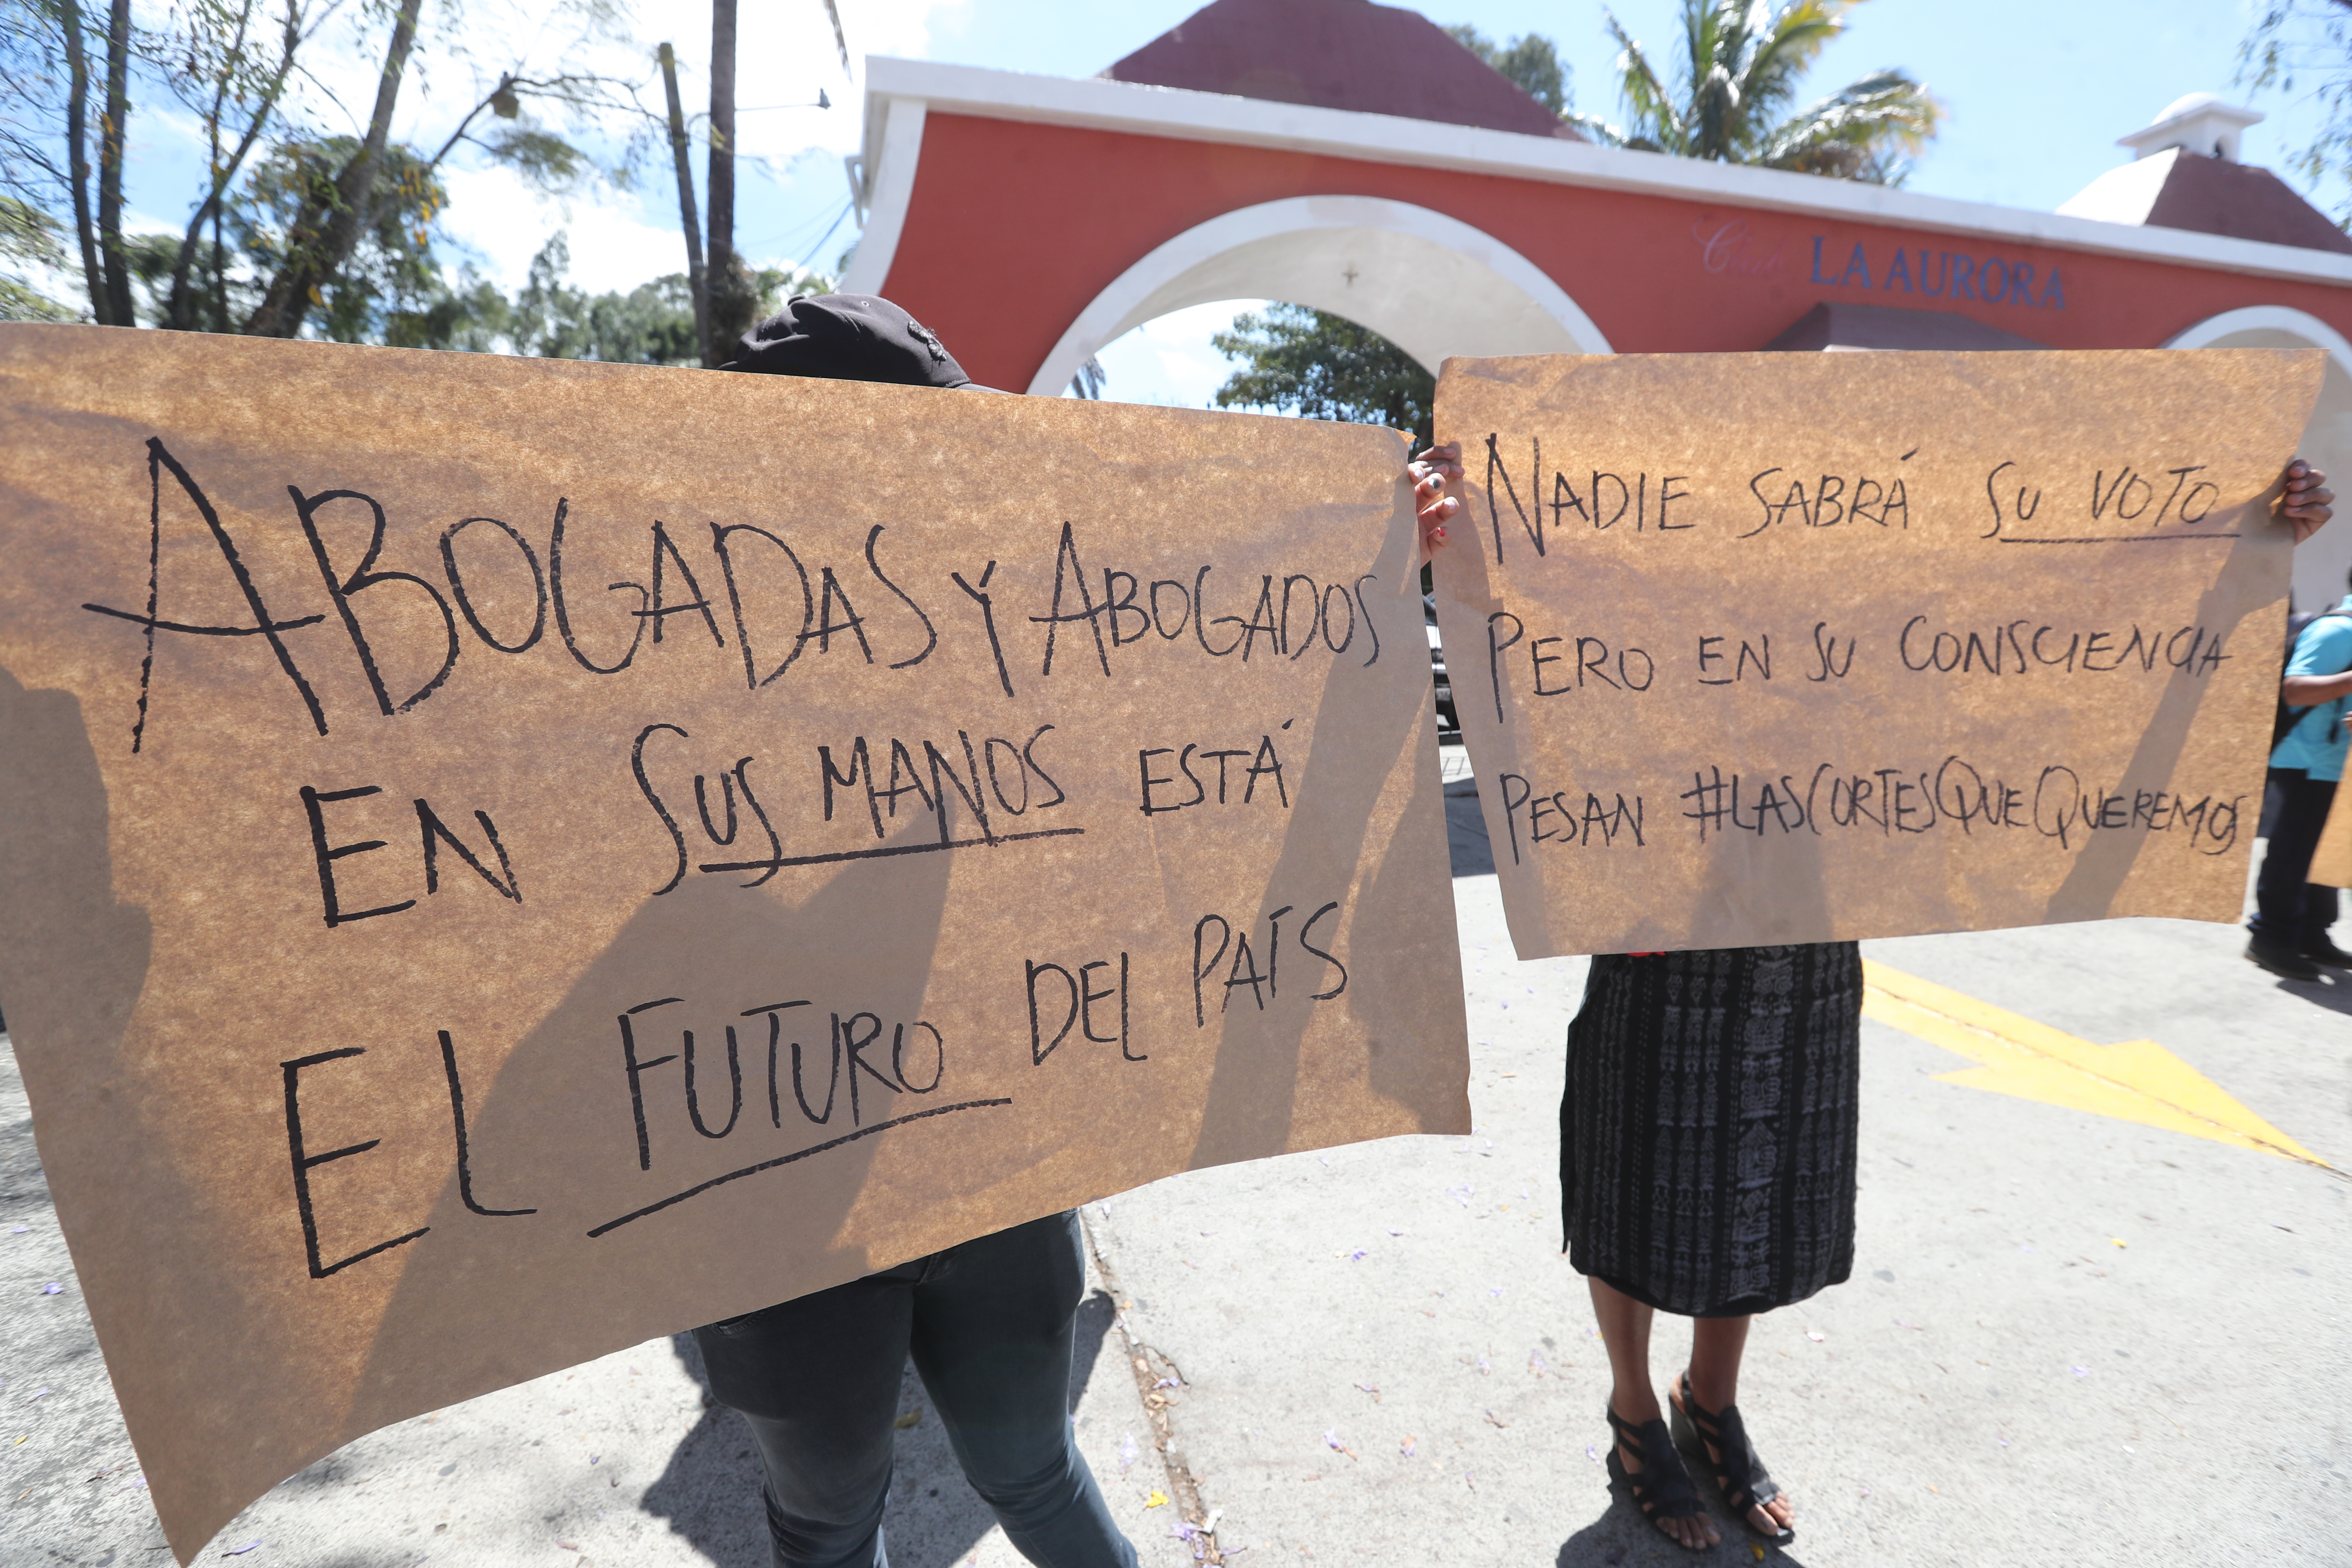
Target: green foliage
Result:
[[551, 318], [651, 325], [1532, 62], [1733, 91], [541, 157], [392, 269], [26, 235], [1324, 366], [472, 316], [2306, 45], [272, 196]]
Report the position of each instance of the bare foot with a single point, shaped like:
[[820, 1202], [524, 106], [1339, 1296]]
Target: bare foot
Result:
[[1769, 1517], [1697, 1531], [1783, 1514]]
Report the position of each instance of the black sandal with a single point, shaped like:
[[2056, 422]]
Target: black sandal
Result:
[[1662, 1489], [1739, 1475]]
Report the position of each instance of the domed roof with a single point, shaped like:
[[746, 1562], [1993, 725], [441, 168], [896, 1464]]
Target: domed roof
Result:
[[1336, 54], [2186, 104]]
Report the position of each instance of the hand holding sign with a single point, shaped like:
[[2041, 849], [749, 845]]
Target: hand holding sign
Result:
[[2307, 502]]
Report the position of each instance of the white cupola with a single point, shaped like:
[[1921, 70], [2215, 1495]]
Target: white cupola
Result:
[[2201, 123]]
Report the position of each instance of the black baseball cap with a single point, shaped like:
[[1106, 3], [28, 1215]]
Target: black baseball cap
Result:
[[847, 336]]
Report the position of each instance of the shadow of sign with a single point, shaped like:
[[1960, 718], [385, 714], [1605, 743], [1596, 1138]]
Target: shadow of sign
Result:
[[1253, 1107], [710, 1490], [1466, 844], [2097, 875], [726, 1052]]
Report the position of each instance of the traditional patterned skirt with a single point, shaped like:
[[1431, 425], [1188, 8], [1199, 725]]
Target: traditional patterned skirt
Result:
[[1707, 1137]]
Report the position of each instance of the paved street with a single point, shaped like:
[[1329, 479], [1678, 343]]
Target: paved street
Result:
[[2116, 1334]]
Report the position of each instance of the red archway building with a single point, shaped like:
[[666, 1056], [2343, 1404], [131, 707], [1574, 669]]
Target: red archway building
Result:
[[1354, 158]]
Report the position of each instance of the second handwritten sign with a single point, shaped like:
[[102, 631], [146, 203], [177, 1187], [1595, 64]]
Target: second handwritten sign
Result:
[[1763, 649]]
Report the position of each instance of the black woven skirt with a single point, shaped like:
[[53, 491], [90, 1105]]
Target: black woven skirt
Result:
[[1707, 1137]]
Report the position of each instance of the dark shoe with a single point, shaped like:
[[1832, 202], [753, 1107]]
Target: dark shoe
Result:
[[2325, 951], [2283, 961], [1662, 1489], [1719, 1439]]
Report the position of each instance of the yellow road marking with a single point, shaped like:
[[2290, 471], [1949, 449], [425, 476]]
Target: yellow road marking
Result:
[[2138, 1080]]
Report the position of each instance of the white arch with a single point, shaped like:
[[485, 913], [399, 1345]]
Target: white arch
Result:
[[2320, 566], [2260, 319], [1430, 284]]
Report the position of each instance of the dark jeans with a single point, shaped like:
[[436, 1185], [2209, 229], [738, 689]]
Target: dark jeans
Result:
[[990, 1325], [2289, 910]]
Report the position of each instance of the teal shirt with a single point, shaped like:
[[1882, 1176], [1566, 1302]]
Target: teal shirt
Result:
[[2320, 738]]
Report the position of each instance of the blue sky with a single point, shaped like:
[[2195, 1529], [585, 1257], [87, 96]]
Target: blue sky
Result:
[[2037, 95]]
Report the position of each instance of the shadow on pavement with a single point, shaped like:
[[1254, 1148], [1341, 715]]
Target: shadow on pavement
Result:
[[2333, 993], [1622, 1537], [1094, 1315], [1466, 831], [710, 1491]]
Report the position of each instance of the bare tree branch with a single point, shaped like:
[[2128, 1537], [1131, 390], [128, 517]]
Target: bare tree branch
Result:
[[331, 221], [114, 307]]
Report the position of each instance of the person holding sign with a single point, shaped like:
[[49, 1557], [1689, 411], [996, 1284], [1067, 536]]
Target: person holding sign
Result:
[[1708, 1148], [2288, 935], [990, 1323]]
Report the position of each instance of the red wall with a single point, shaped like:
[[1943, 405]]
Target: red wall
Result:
[[1014, 228]]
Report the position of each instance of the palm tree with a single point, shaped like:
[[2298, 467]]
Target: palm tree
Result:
[[1742, 60]]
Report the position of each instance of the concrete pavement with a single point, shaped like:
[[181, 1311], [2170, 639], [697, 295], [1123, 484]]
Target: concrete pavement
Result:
[[2069, 1339]]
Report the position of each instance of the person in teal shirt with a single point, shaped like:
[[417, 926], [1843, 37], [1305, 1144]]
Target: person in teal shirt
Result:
[[2289, 930]]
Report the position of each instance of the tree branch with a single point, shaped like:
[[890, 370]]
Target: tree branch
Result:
[[336, 220], [113, 308], [224, 172], [78, 155]]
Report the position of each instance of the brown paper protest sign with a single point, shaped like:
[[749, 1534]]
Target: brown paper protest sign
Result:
[[1756, 648], [2331, 862], [500, 859]]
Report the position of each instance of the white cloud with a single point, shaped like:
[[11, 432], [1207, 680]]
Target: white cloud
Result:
[[785, 56], [496, 213]]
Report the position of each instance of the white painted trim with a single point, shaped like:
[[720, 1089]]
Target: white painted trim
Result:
[[2272, 319], [2320, 561], [1183, 115], [890, 171], [1125, 305]]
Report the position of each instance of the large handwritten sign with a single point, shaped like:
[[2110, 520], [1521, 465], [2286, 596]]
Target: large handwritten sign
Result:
[[2331, 863], [1756, 648], [500, 859]]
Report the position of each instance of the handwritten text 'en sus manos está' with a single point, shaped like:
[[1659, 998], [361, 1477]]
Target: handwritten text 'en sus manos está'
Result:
[[1545, 506]]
